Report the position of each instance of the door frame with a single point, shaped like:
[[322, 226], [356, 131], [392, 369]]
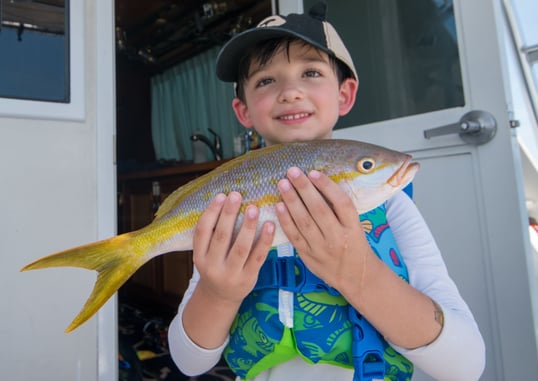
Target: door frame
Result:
[[105, 119]]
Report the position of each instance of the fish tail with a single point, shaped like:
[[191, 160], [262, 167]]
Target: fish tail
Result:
[[115, 260]]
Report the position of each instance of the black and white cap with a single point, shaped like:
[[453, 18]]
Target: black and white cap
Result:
[[311, 28]]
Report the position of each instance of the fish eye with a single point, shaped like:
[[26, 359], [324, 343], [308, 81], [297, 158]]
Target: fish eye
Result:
[[366, 165]]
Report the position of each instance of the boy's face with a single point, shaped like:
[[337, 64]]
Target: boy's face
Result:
[[295, 96]]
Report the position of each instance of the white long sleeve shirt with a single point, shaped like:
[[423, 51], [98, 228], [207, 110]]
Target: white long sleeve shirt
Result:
[[458, 354]]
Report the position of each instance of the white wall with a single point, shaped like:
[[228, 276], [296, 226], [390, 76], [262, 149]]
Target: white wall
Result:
[[47, 200], [56, 192], [527, 140]]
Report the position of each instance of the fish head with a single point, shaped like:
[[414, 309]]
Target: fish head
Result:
[[372, 174]]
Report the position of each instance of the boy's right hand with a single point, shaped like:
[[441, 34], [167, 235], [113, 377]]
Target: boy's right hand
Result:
[[229, 267]]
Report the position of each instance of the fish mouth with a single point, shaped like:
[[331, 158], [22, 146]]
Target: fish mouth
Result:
[[404, 174]]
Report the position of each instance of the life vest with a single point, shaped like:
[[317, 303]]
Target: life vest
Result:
[[325, 329]]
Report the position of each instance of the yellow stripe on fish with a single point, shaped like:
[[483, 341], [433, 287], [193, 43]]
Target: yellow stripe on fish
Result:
[[369, 174]]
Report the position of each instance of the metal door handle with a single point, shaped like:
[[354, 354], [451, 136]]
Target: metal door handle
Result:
[[475, 127]]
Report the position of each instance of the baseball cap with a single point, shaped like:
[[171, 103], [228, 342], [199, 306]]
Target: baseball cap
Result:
[[311, 28]]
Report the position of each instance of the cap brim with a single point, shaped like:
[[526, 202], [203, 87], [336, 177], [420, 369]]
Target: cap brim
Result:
[[228, 58]]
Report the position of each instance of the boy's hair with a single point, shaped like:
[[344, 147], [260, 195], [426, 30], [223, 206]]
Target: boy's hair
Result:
[[264, 52], [274, 32]]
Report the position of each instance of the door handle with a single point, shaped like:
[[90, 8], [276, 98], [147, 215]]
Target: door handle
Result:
[[475, 127]]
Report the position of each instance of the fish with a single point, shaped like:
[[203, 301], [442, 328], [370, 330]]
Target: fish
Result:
[[368, 173]]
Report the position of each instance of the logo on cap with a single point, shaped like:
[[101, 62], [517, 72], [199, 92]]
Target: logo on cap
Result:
[[272, 21]]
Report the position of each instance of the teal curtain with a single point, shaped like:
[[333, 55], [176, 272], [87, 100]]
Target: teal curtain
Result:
[[190, 98]]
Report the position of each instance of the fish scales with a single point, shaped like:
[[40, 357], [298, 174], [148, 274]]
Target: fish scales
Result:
[[258, 173], [369, 174]]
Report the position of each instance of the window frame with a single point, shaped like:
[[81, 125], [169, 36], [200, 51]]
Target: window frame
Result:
[[74, 109], [527, 55]]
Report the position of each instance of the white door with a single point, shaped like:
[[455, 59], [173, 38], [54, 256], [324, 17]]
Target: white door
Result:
[[425, 64]]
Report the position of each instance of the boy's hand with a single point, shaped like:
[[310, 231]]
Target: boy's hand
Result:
[[322, 223], [229, 268]]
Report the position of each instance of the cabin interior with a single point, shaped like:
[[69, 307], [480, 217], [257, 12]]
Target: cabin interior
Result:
[[152, 39]]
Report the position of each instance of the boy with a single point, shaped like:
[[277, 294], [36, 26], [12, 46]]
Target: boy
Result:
[[294, 78]]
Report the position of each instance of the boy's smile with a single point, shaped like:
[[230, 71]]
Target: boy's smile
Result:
[[295, 96]]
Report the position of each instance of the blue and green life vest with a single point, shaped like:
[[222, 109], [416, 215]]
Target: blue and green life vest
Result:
[[325, 328]]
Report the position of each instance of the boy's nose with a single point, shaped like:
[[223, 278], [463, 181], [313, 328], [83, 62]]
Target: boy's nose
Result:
[[290, 93]]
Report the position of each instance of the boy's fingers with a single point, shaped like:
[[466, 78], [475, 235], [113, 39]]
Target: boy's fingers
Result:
[[288, 224], [336, 198], [306, 205], [206, 225], [244, 241], [222, 234], [261, 248]]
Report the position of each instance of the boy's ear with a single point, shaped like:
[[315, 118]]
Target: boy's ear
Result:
[[348, 92], [241, 113]]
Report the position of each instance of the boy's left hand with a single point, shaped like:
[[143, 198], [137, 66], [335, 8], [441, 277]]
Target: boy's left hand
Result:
[[322, 223]]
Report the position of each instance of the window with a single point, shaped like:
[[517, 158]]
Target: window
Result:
[[406, 55], [522, 21], [35, 47], [41, 65]]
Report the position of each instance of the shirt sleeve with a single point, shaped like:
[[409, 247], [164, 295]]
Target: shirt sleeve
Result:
[[190, 358], [458, 353]]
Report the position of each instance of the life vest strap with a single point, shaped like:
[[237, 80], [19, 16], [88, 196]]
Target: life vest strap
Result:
[[366, 348], [291, 274]]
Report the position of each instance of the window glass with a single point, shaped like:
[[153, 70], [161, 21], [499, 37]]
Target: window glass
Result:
[[406, 55], [34, 52], [535, 74], [525, 22], [525, 12]]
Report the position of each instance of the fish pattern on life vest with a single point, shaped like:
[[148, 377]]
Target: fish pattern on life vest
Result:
[[322, 331]]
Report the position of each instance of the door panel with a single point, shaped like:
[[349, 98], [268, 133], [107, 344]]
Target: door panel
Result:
[[470, 195], [451, 205]]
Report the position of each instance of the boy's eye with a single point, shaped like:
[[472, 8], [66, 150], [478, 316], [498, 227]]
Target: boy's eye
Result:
[[263, 82], [312, 73]]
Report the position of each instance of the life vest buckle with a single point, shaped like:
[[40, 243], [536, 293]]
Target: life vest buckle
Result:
[[290, 274], [366, 348]]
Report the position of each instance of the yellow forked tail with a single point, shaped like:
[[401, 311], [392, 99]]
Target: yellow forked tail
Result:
[[115, 260]]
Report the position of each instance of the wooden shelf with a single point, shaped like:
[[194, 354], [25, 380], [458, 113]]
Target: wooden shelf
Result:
[[161, 282], [175, 170]]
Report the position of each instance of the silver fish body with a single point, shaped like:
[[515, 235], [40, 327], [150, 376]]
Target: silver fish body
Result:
[[369, 174]]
